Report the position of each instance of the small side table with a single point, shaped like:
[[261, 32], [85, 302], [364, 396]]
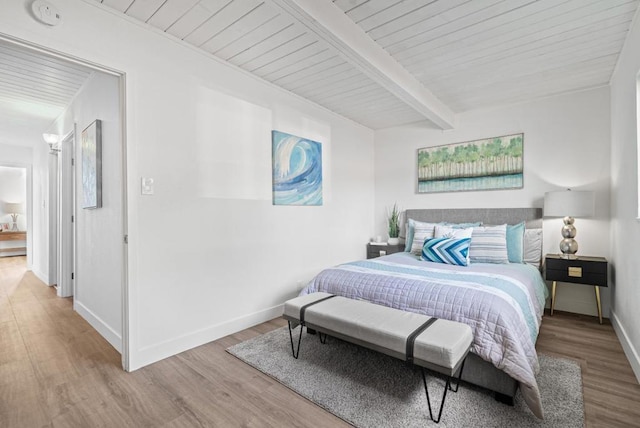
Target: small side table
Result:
[[374, 251], [580, 270]]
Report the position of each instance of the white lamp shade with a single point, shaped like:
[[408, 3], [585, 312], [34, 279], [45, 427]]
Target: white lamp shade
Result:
[[13, 208], [51, 138], [569, 203]]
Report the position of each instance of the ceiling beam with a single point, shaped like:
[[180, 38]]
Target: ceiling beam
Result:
[[333, 26]]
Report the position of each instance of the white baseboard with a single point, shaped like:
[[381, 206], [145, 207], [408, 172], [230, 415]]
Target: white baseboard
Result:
[[105, 331], [630, 351], [160, 351], [41, 276]]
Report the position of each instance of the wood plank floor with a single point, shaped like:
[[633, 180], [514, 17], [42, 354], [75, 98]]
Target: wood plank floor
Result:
[[56, 371]]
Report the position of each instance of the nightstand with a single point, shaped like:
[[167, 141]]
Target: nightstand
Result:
[[374, 251], [581, 270]]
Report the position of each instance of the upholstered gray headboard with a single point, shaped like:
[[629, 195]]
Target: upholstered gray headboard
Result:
[[531, 216]]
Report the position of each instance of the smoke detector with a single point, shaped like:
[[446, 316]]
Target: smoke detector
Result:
[[46, 13]]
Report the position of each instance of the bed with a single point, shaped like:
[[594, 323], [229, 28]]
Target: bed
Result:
[[503, 303]]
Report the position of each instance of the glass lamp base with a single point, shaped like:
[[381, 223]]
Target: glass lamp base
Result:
[[569, 256]]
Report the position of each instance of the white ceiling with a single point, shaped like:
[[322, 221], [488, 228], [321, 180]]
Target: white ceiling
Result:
[[388, 62], [34, 90], [479, 53], [381, 63]]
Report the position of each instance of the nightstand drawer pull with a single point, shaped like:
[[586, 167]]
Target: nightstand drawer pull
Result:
[[575, 272]]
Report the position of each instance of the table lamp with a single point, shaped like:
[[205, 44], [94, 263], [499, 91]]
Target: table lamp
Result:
[[569, 204], [13, 209]]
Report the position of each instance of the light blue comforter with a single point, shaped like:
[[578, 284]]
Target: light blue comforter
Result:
[[502, 303]]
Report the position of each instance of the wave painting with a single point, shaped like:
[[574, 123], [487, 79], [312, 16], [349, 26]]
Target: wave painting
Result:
[[297, 170]]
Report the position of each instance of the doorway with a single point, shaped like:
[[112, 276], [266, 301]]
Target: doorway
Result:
[[81, 248], [14, 210]]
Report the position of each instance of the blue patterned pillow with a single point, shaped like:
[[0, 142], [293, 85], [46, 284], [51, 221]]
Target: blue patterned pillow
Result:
[[446, 250]]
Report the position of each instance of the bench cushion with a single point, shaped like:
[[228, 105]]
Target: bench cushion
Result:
[[378, 325], [445, 343], [442, 346], [292, 307]]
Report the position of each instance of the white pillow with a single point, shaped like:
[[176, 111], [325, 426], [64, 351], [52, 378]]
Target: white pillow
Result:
[[443, 231], [533, 247], [489, 244], [421, 232]]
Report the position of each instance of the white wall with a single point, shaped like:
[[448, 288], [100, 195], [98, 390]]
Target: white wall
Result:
[[11, 155], [99, 232], [566, 144], [625, 227], [203, 263]]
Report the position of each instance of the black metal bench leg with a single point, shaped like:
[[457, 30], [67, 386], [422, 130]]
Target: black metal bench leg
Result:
[[444, 396], [322, 337], [293, 351], [459, 377]]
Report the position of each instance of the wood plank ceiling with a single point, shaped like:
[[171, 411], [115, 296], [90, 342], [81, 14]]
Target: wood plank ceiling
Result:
[[34, 90], [468, 53], [480, 53]]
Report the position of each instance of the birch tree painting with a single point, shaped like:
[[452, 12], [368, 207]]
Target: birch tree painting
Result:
[[492, 163]]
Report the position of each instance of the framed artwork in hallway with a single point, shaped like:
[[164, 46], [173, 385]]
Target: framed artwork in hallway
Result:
[[92, 165]]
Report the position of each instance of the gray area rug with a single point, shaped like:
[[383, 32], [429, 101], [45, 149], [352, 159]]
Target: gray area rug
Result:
[[369, 389]]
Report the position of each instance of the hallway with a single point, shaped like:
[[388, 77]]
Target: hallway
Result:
[[45, 347]]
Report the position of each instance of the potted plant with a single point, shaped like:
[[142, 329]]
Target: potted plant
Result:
[[393, 221]]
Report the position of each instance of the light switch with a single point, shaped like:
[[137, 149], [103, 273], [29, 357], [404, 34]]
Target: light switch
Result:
[[147, 186]]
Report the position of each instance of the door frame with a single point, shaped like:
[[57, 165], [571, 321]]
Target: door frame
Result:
[[28, 206], [122, 77], [52, 220]]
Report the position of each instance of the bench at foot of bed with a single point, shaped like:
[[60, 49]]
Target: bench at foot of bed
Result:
[[431, 343]]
